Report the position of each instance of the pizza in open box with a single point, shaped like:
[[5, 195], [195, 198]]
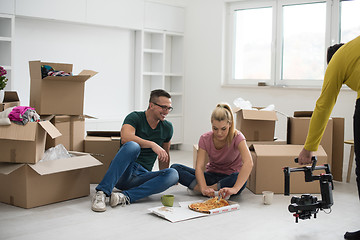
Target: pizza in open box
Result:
[[208, 205]]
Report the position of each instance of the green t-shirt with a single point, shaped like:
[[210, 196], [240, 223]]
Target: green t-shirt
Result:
[[162, 133]]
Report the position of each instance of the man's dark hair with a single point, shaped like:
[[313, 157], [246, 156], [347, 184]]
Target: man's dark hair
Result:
[[331, 51], [155, 94]]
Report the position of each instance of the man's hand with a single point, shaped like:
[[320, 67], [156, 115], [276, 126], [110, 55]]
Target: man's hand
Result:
[[162, 154], [305, 157]]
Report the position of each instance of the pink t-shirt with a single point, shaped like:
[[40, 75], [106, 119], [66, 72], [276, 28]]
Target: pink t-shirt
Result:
[[226, 160]]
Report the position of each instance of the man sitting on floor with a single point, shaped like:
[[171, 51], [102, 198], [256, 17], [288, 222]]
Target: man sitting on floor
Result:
[[145, 136]]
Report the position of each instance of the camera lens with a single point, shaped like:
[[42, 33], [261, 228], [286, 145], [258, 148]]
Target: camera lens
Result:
[[294, 199], [292, 208]]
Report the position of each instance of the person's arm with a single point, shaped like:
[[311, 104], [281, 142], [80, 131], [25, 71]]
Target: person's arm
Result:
[[243, 173], [166, 163], [334, 78], [128, 134], [199, 173]]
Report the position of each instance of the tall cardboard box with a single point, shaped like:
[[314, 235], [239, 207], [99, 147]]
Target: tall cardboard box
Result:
[[25, 143], [332, 140], [267, 173], [72, 129], [103, 145], [33, 185], [256, 125], [11, 99], [59, 95], [337, 157]]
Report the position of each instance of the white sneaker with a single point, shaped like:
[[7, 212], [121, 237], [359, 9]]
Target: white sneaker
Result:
[[119, 199], [98, 202]]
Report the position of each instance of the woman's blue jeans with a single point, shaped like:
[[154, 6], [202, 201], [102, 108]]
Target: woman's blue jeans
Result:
[[188, 179], [134, 180]]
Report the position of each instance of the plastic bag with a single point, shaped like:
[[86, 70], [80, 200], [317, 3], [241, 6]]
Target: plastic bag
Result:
[[244, 104], [241, 103], [271, 107], [57, 152]]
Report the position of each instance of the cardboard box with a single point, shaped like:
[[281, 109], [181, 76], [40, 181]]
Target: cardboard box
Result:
[[25, 143], [332, 140], [182, 213], [11, 99], [267, 173], [33, 185], [103, 146], [274, 142], [72, 129], [55, 94], [337, 157], [256, 125]]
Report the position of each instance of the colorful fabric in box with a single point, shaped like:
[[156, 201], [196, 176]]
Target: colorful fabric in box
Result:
[[22, 115], [47, 70]]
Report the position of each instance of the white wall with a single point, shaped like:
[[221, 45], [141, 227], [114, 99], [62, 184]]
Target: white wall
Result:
[[203, 72], [109, 51], [109, 95]]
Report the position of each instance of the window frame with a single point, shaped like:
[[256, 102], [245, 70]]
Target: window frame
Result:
[[332, 36]]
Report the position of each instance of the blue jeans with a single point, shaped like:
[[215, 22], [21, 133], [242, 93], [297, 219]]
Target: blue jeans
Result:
[[188, 179], [134, 180]]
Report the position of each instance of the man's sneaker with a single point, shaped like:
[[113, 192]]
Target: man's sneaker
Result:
[[119, 199], [98, 202]]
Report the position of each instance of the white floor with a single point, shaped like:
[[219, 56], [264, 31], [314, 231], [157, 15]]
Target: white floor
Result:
[[74, 219]]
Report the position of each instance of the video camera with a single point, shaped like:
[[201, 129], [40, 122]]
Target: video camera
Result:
[[306, 205]]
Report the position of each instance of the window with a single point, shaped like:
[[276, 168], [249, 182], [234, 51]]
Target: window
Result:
[[350, 20], [252, 59], [303, 39], [284, 42]]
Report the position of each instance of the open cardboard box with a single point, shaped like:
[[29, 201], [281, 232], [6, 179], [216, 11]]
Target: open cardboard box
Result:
[[11, 99], [256, 125], [332, 140], [33, 185], [60, 95], [267, 173], [182, 213], [103, 145], [25, 143]]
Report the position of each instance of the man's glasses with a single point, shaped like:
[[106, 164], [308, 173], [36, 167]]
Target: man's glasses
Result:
[[164, 108]]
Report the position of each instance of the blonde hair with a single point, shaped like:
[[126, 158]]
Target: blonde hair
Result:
[[223, 112]]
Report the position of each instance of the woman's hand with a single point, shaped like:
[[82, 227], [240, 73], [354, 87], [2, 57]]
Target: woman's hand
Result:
[[209, 192], [225, 192]]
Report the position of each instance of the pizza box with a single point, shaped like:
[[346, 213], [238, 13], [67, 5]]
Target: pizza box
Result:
[[182, 213]]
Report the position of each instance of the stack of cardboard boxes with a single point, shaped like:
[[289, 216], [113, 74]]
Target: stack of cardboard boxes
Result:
[[271, 155], [26, 182], [61, 101]]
